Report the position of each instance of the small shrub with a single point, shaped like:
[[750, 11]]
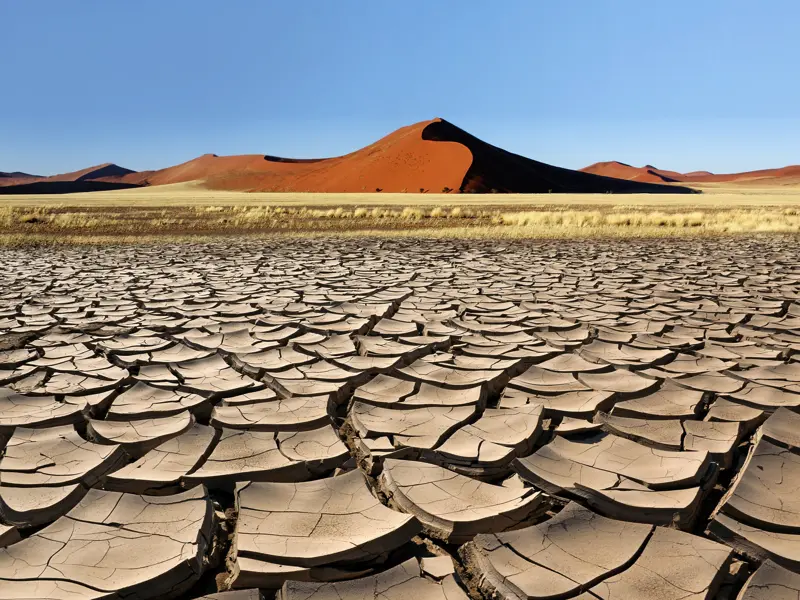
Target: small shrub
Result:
[[412, 214]]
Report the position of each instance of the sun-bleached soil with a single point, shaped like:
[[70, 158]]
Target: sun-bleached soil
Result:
[[387, 418]]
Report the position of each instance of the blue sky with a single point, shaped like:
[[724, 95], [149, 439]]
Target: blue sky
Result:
[[684, 85]]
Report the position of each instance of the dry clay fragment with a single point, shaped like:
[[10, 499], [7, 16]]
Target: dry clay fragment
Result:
[[18, 410], [284, 414], [580, 405], [771, 582], [270, 456], [757, 544], [161, 469], [611, 494], [727, 410], [782, 428], [35, 506], [423, 428], [718, 438], [658, 469], [388, 391], [405, 581], [453, 507], [668, 402], [212, 376], [492, 441], [766, 397], [144, 401], [622, 479], [555, 559], [55, 456], [674, 566], [137, 437], [766, 493], [317, 523], [249, 572], [113, 543]]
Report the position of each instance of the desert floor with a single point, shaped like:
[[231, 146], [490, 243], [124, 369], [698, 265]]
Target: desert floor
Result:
[[372, 417], [188, 211]]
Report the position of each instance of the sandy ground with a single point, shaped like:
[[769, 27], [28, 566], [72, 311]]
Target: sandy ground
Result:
[[192, 193]]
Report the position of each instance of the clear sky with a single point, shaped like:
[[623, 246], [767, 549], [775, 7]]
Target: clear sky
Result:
[[684, 85]]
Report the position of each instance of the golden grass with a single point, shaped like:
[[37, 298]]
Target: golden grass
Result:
[[188, 212], [63, 224]]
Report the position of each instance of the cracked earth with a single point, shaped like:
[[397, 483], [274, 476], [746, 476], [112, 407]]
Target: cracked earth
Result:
[[394, 419]]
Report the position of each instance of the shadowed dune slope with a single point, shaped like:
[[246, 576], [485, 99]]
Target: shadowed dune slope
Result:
[[496, 169], [17, 175], [105, 171], [64, 183]]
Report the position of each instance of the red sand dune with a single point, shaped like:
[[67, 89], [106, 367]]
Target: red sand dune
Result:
[[107, 173], [764, 176], [401, 161], [785, 175], [16, 178], [17, 175], [624, 171], [99, 178], [433, 156]]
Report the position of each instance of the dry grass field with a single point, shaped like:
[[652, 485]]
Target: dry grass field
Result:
[[188, 211]]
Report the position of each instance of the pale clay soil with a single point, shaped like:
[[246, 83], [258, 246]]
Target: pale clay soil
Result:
[[400, 418]]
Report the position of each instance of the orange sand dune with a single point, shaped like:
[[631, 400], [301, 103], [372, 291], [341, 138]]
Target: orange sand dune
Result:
[[431, 156], [622, 170], [765, 176], [399, 162], [107, 172], [780, 176]]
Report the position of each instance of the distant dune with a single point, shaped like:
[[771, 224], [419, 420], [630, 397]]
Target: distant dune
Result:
[[107, 176], [105, 171], [648, 173], [782, 176], [17, 175]]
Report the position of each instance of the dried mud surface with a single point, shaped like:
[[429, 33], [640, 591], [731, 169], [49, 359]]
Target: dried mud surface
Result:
[[401, 418]]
